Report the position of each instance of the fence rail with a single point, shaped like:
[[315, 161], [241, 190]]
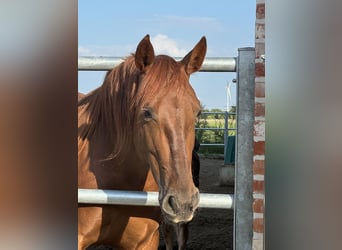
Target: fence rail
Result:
[[135, 198], [226, 114], [102, 63]]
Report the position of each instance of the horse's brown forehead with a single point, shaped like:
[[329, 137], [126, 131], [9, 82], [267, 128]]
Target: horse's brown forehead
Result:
[[167, 88], [183, 101], [177, 115]]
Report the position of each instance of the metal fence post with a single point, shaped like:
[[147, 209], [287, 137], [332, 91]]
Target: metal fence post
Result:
[[243, 213]]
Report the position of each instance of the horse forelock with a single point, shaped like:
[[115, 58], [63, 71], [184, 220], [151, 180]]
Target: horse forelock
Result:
[[163, 78]]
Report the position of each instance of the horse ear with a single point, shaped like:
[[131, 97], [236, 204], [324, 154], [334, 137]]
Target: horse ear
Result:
[[194, 59], [144, 54]]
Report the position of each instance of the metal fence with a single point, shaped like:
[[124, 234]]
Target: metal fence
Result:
[[138, 198], [102, 63], [225, 128], [241, 201]]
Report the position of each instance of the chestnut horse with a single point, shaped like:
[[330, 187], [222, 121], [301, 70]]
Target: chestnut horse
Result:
[[136, 132]]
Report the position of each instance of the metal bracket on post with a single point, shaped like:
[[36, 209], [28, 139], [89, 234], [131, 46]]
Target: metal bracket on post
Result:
[[243, 213]]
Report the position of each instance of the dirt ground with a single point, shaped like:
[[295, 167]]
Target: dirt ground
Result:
[[210, 228]]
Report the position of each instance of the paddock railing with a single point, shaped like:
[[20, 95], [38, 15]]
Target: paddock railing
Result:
[[138, 198], [242, 200], [104, 63], [225, 127]]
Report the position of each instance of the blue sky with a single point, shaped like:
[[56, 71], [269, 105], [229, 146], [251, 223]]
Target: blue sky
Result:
[[114, 28]]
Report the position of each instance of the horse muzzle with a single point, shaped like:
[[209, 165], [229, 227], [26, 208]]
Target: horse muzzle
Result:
[[180, 208]]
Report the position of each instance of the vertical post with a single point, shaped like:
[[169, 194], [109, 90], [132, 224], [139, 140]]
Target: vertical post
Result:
[[243, 213]]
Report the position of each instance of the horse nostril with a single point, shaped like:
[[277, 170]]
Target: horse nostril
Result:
[[173, 204]]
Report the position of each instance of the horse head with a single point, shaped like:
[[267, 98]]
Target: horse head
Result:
[[165, 125]]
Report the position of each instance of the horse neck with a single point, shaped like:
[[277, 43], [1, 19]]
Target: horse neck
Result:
[[127, 171]]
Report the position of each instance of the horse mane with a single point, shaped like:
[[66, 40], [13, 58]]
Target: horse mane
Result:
[[114, 105]]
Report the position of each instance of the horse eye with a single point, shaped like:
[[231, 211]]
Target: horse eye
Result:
[[148, 114], [199, 114]]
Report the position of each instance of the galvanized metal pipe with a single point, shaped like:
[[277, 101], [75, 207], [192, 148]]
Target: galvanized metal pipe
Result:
[[243, 210], [101, 63], [215, 129], [212, 144], [118, 197]]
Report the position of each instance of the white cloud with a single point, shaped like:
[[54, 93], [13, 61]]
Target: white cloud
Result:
[[84, 51], [106, 50], [164, 45]]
